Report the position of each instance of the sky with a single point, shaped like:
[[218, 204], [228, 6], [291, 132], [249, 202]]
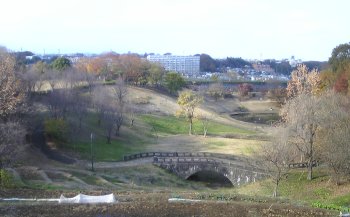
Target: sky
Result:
[[251, 29]]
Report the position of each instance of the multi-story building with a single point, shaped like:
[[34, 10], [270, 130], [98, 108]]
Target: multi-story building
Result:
[[187, 65]]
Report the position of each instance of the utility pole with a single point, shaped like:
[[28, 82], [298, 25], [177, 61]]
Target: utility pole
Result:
[[92, 155]]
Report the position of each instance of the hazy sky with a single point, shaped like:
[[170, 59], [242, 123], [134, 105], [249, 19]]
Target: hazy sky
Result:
[[251, 29]]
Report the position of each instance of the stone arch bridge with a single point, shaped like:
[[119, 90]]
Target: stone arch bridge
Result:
[[185, 164]]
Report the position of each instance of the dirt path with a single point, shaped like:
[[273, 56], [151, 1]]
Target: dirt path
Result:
[[44, 176], [162, 208]]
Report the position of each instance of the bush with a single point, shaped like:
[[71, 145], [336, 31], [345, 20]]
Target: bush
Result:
[[277, 94], [331, 206], [244, 89], [56, 129], [6, 180]]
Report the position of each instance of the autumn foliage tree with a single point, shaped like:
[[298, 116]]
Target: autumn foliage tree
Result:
[[244, 89], [340, 57], [301, 112], [11, 96], [11, 93], [303, 81], [188, 102], [341, 85], [338, 74]]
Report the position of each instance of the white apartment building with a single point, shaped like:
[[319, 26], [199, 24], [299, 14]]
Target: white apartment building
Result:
[[187, 65]]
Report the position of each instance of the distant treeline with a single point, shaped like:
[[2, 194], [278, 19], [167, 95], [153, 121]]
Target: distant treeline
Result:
[[208, 64]]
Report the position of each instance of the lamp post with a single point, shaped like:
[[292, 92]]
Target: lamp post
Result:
[[92, 155]]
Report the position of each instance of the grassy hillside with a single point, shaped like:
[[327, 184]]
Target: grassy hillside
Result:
[[176, 125]]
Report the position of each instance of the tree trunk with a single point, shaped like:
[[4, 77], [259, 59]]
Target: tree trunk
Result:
[[309, 169], [310, 161], [109, 135], [117, 130], [275, 190], [80, 120], [190, 131], [205, 132]]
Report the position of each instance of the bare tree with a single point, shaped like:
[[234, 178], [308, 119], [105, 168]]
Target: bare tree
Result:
[[276, 156], [30, 79], [216, 90], [334, 136], [59, 103], [11, 142], [100, 100], [106, 110], [303, 118], [205, 120], [131, 110], [119, 92], [51, 77], [79, 104], [108, 122], [90, 80]]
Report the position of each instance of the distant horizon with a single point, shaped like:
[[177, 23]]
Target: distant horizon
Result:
[[250, 29], [130, 52]]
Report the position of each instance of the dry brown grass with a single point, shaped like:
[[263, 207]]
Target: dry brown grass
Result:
[[185, 143]]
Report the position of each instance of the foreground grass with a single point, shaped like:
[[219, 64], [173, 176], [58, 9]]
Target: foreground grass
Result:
[[173, 125], [319, 190]]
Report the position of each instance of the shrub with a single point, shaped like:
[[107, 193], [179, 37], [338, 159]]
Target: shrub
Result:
[[278, 94], [56, 129], [6, 180], [244, 89]]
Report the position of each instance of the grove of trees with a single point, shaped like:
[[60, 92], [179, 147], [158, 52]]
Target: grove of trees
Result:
[[315, 122]]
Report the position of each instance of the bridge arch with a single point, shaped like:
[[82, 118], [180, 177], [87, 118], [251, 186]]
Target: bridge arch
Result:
[[185, 167], [211, 178]]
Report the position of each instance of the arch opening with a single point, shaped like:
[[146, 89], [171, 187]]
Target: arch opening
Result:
[[211, 179]]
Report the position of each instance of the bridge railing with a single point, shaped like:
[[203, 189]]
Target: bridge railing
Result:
[[184, 160], [179, 154], [183, 157], [302, 165]]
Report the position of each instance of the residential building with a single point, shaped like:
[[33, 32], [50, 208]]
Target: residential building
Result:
[[187, 65]]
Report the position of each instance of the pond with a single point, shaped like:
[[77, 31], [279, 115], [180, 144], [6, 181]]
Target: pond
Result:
[[258, 118]]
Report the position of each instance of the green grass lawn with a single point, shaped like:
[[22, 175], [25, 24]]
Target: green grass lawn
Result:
[[103, 151], [320, 190], [80, 143], [174, 125]]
